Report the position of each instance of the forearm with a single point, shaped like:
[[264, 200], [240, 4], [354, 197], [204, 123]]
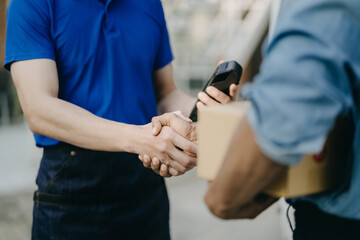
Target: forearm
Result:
[[176, 100], [245, 173], [64, 121], [36, 83]]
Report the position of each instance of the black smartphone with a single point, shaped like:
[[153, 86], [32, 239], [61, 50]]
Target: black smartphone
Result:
[[225, 74]]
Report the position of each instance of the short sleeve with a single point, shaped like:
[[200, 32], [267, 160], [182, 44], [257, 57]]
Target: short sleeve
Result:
[[28, 31], [164, 55]]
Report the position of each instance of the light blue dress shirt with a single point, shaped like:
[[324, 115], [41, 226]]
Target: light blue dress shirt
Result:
[[311, 75]]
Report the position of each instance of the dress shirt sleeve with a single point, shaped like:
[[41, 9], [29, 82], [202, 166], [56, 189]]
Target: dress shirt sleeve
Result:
[[304, 81]]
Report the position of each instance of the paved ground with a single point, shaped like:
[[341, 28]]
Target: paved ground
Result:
[[190, 219]]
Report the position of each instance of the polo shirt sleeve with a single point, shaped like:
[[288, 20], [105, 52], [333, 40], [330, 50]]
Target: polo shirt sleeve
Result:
[[28, 31], [164, 55], [305, 79]]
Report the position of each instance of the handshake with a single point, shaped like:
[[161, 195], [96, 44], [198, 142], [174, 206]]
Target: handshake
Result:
[[168, 144], [174, 146]]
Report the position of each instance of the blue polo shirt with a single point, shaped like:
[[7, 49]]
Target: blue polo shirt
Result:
[[105, 52]]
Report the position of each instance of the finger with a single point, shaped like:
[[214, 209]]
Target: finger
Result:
[[220, 62], [194, 133], [147, 161], [156, 125], [184, 128], [155, 164], [141, 158], [177, 143], [160, 121], [190, 154], [218, 95], [146, 158], [173, 164], [205, 99], [233, 91], [186, 146], [200, 105], [176, 159], [182, 159], [173, 172], [164, 171]]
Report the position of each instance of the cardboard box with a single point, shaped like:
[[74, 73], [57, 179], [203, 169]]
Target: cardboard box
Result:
[[314, 174]]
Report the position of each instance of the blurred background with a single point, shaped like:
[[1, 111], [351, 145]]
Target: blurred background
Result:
[[202, 32]]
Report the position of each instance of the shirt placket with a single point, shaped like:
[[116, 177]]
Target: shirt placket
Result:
[[108, 23]]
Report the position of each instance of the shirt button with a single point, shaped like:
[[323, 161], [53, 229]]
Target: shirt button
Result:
[[72, 153]]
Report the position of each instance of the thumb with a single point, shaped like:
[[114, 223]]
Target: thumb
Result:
[[156, 126], [234, 89], [158, 122], [220, 62]]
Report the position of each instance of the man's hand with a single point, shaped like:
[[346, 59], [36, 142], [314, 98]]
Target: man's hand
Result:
[[214, 93], [182, 125], [214, 96], [169, 148], [177, 121], [172, 97], [158, 167]]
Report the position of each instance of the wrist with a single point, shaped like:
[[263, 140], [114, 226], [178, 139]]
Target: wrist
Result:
[[124, 137], [136, 139]]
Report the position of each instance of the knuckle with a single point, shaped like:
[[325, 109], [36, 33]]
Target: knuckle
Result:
[[155, 168], [187, 147], [167, 137], [206, 100], [154, 119], [182, 171], [172, 115], [169, 134], [166, 161], [175, 173], [216, 94], [178, 113], [203, 97], [163, 147], [227, 99], [168, 116], [187, 162]]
